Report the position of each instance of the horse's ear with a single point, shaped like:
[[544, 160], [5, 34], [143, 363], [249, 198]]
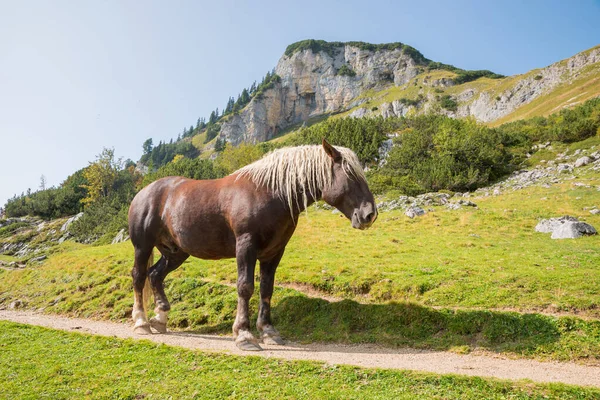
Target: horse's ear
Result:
[[331, 151]]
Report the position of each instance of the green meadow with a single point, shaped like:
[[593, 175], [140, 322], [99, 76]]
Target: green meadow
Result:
[[72, 365], [474, 279]]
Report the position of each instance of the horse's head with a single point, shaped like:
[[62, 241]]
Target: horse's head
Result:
[[348, 192]]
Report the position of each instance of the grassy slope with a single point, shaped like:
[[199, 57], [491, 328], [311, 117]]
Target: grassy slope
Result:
[[565, 95], [488, 258], [72, 365]]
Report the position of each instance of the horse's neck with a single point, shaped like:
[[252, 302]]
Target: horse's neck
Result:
[[310, 200]]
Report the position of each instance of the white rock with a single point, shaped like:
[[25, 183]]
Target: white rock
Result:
[[573, 230], [66, 225], [585, 160], [414, 211], [121, 237], [551, 224]]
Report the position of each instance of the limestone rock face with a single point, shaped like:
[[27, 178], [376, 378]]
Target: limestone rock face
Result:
[[485, 107], [310, 87]]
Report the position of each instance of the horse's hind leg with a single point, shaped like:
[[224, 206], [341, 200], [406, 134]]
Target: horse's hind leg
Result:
[[246, 261], [139, 273], [170, 261], [268, 333]]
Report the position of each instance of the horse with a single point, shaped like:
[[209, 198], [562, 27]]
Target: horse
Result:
[[250, 215]]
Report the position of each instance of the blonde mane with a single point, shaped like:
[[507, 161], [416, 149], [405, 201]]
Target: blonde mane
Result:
[[295, 173]]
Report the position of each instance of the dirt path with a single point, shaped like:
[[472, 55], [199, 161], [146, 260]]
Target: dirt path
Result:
[[360, 355]]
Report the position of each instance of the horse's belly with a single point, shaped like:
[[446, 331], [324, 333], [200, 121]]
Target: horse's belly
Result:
[[209, 244]]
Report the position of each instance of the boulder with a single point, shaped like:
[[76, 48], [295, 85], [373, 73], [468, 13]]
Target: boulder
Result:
[[585, 160], [38, 259], [564, 168], [414, 211], [66, 225], [573, 230], [121, 237], [565, 227], [551, 224]]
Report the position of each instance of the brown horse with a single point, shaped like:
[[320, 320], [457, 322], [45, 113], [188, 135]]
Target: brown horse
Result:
[[250, 215]]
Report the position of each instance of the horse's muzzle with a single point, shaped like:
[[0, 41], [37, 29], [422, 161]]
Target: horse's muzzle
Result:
[[365, 216]]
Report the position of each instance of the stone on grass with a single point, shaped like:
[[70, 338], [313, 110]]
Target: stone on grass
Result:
[[414, 211], [585, 160], [551, 224], [566, 227], [573, 230]]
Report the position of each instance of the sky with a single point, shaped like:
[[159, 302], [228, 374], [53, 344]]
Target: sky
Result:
[[78, 76]]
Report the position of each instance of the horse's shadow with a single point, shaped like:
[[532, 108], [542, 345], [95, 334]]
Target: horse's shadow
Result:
[[307, 320]]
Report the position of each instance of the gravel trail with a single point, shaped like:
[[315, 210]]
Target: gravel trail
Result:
[[369, 356]]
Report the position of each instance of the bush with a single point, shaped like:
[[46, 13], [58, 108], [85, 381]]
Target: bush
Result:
[[187, 167], [363, 135], [346, 71], [438, 152], [448, 103]]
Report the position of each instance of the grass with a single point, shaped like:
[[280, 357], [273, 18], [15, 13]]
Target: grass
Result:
[[452, 280], [43, 363], [449, 280]]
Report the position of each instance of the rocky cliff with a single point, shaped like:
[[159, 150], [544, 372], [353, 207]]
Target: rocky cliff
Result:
[[368, 80], [313, 84]]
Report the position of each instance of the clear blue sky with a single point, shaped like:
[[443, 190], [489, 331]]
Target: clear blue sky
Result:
[[77, 76]]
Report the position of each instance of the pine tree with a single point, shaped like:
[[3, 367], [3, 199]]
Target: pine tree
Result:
[[147, 146], [245, 97], [212, 119]]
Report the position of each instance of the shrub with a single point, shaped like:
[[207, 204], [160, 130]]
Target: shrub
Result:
[[363, 135], [448, 103], [187, 167], [438, 152], [538, 77], [345, 70]]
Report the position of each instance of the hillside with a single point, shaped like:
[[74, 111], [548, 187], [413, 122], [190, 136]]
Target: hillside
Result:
[[317, 79]]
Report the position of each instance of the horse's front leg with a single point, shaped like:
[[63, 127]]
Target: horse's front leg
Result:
[[268, 333], [246, 261]]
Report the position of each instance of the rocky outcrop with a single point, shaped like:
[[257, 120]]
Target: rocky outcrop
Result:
[[310, 86]]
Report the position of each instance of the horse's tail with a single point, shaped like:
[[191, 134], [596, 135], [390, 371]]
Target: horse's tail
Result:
[[147, 292]]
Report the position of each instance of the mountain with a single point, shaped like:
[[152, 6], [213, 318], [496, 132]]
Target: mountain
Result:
[[318, 78]]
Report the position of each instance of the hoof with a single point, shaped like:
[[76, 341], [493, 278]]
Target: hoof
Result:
[[160, 327], [273, 340], [244, 340], [143, 329], [271, 336], [248, 345]]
